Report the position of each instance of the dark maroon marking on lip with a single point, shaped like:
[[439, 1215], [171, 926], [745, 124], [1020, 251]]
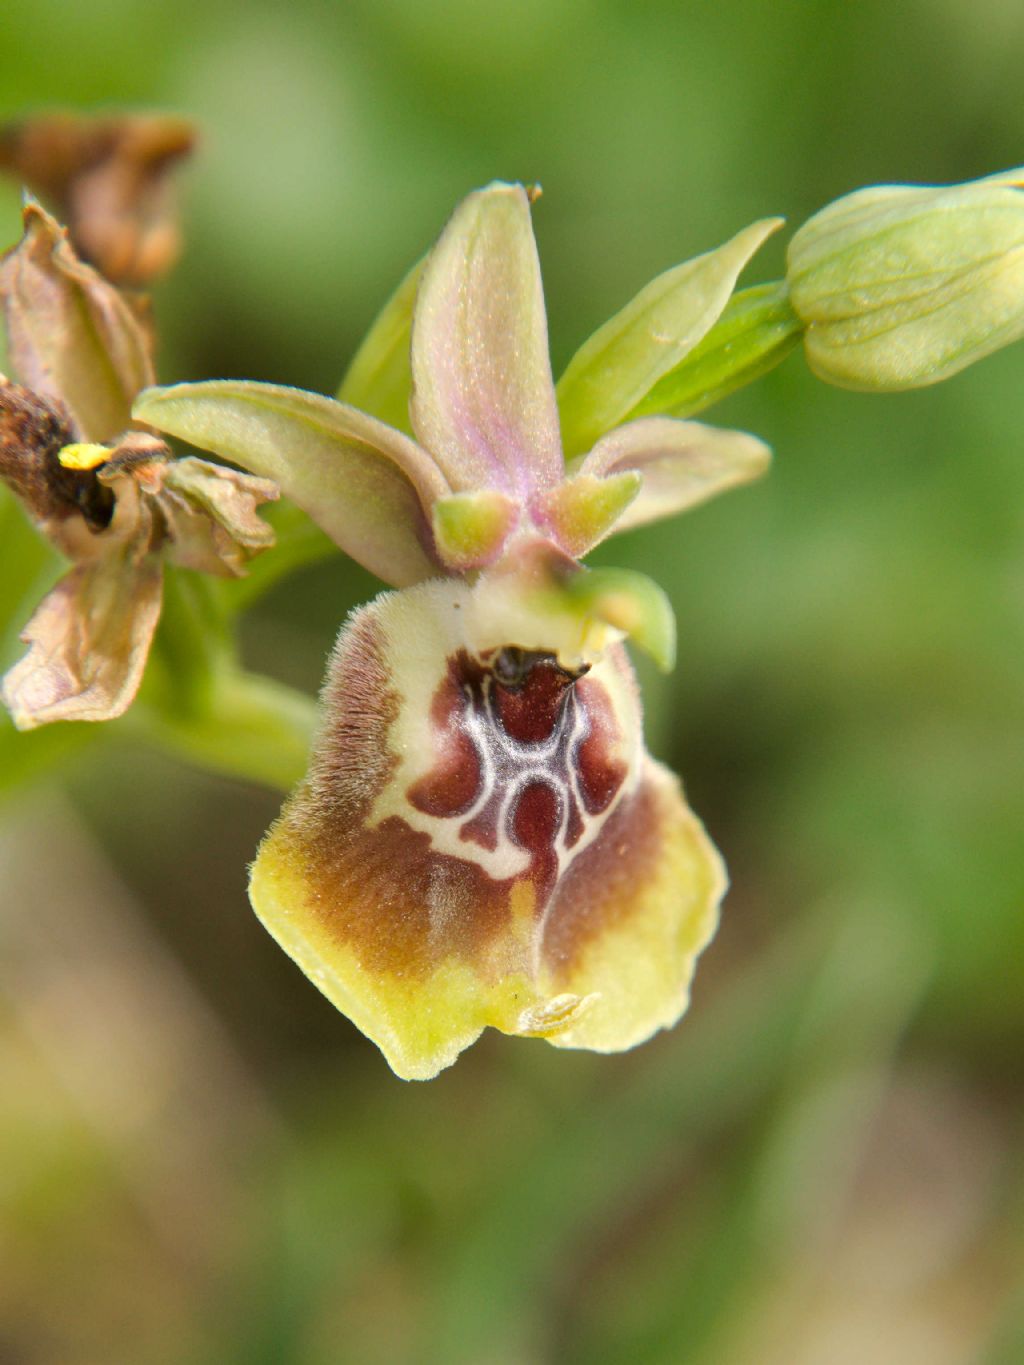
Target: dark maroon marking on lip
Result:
[[455, 781], [375, 888], [574, 825], [530, 711], [482, 829], [535, 738], [600, 773], [534, 825], [545, 704]]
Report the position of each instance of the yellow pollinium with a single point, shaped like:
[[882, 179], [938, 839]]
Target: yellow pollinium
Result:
[[83, 455]]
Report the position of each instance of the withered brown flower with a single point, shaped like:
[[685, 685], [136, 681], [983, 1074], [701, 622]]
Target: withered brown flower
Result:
[[108, 178], [110, 498]]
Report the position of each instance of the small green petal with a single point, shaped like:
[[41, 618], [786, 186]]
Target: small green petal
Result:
[[583, 510], [470, 529], [616, 368], [379, 379]]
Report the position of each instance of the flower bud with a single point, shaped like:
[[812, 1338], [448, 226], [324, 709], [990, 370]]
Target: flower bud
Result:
[[900, 286]]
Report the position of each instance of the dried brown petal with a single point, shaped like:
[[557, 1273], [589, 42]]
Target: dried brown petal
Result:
[[203, 514], [88, 642], [226, 496], [108, 178], [71, 335]]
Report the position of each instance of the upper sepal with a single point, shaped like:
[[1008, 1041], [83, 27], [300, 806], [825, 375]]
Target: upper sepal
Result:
[[483, 400]]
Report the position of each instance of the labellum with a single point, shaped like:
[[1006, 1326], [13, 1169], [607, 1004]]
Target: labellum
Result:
[[482, 840]]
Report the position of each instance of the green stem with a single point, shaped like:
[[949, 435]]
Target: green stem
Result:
[[250, 727]]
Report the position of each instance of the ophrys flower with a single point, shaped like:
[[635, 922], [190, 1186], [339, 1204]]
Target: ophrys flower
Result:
[[482, 838]]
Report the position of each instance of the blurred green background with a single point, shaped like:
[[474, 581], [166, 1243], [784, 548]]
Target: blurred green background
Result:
[[199, 1160]]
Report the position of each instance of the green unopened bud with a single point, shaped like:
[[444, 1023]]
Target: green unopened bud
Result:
[[900, 286]]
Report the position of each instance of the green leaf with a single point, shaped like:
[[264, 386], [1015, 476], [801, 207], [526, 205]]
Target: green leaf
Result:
[[616, 368], [379, 379], [756, 331]]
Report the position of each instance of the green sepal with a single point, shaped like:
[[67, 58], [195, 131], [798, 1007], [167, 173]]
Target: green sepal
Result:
[[379, 380], [470, 529], [616, 368], [756, 331]]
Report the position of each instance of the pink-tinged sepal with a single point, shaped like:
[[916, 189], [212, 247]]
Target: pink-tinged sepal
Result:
[[369, 486], [483, 399], [483, 841]]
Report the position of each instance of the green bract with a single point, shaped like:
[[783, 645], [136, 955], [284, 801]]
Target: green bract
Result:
[[616, 368], [901, 286]]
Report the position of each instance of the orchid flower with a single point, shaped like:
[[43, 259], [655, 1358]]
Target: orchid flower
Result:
[[482, 838], [112, 500]]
